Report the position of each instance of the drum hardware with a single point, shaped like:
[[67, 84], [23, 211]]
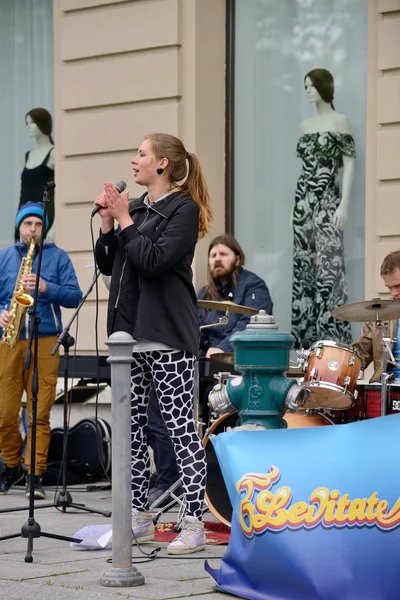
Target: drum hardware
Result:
[[302, 359], [314, 374], [221, 321], [226, 306], [333, 365], [385, 376], [346, 381]]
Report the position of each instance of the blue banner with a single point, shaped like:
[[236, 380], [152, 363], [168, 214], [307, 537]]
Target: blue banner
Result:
[[316, 512]]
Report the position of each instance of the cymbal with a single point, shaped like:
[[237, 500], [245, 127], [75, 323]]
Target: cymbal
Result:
[[225, 305], [370, 310], [224, 357]]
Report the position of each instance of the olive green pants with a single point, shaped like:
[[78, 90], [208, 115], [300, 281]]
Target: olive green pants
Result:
[[13, 381]]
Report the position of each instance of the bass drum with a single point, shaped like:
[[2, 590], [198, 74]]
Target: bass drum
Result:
[[216, 493]]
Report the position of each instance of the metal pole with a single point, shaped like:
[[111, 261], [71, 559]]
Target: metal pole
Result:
[[384, 376], [122, 573]]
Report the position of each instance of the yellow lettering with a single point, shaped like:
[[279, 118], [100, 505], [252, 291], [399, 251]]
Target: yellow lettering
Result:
[[342, 506], [262, 510], [357, 511], [318, 501], [297, 514], [388, 520], [372, 504], [381, 510], [330, 512]]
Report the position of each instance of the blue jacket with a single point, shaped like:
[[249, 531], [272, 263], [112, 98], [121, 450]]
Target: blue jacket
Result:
[[58, 273], [250, 290]]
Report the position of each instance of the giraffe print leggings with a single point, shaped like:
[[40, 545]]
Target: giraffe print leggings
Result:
[[173, 373]]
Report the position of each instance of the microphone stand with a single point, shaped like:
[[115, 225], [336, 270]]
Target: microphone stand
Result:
[[63, 497], [31, 528]]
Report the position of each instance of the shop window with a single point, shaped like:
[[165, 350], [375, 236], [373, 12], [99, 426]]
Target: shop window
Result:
[[276, 43], [26, 76]]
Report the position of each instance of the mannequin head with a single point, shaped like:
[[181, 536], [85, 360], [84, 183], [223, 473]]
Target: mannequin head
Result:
[[320, 86], [38, 120]]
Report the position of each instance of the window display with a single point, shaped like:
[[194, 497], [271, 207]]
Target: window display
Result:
[[319, 215], [300, 216], [26, 49]]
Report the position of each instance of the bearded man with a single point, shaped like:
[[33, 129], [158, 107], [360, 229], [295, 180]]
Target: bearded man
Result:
[[228, 280]]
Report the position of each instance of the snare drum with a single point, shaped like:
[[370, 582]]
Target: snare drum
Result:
[[331, 372], [216, 493]]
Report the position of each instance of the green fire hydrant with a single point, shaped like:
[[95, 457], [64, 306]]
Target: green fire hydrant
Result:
[[262, 393]]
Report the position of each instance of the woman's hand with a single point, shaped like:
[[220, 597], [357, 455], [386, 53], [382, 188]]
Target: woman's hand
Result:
[[340, 217], [107, 220], [117, 204], [103, 212]]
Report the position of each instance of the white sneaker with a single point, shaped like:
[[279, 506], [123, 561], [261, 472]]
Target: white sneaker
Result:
[[191, 538], [142, 526]]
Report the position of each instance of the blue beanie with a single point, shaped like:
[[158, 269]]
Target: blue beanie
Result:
[[31, 209]]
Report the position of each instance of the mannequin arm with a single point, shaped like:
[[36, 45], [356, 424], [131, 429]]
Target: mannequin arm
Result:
[[341, 214], [50, 162]]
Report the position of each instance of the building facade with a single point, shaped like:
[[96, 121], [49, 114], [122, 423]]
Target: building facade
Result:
[[227, 78]]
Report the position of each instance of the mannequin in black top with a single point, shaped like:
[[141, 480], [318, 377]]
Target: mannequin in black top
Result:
[[39, 162]]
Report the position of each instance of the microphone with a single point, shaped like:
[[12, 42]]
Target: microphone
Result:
[[119, 186]]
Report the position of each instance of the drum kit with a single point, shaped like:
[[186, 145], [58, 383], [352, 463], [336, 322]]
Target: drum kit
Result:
[[329, 371]]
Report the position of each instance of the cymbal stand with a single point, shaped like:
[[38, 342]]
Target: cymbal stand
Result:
[[221, 321], [386, 343]]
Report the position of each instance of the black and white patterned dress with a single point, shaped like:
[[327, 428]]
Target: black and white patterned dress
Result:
[[319, 277]]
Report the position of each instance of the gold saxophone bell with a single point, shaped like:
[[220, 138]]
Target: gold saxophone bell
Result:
[[24, 300]]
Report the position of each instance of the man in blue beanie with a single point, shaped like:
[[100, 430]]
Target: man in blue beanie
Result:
[[58, 286]]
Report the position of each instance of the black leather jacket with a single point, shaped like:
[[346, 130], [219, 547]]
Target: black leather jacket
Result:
[[151, 293]]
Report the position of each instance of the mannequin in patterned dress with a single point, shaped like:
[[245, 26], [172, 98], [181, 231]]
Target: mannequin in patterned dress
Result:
[[319, 215]]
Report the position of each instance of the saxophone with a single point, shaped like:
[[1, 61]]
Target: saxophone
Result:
[[20, 302]]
